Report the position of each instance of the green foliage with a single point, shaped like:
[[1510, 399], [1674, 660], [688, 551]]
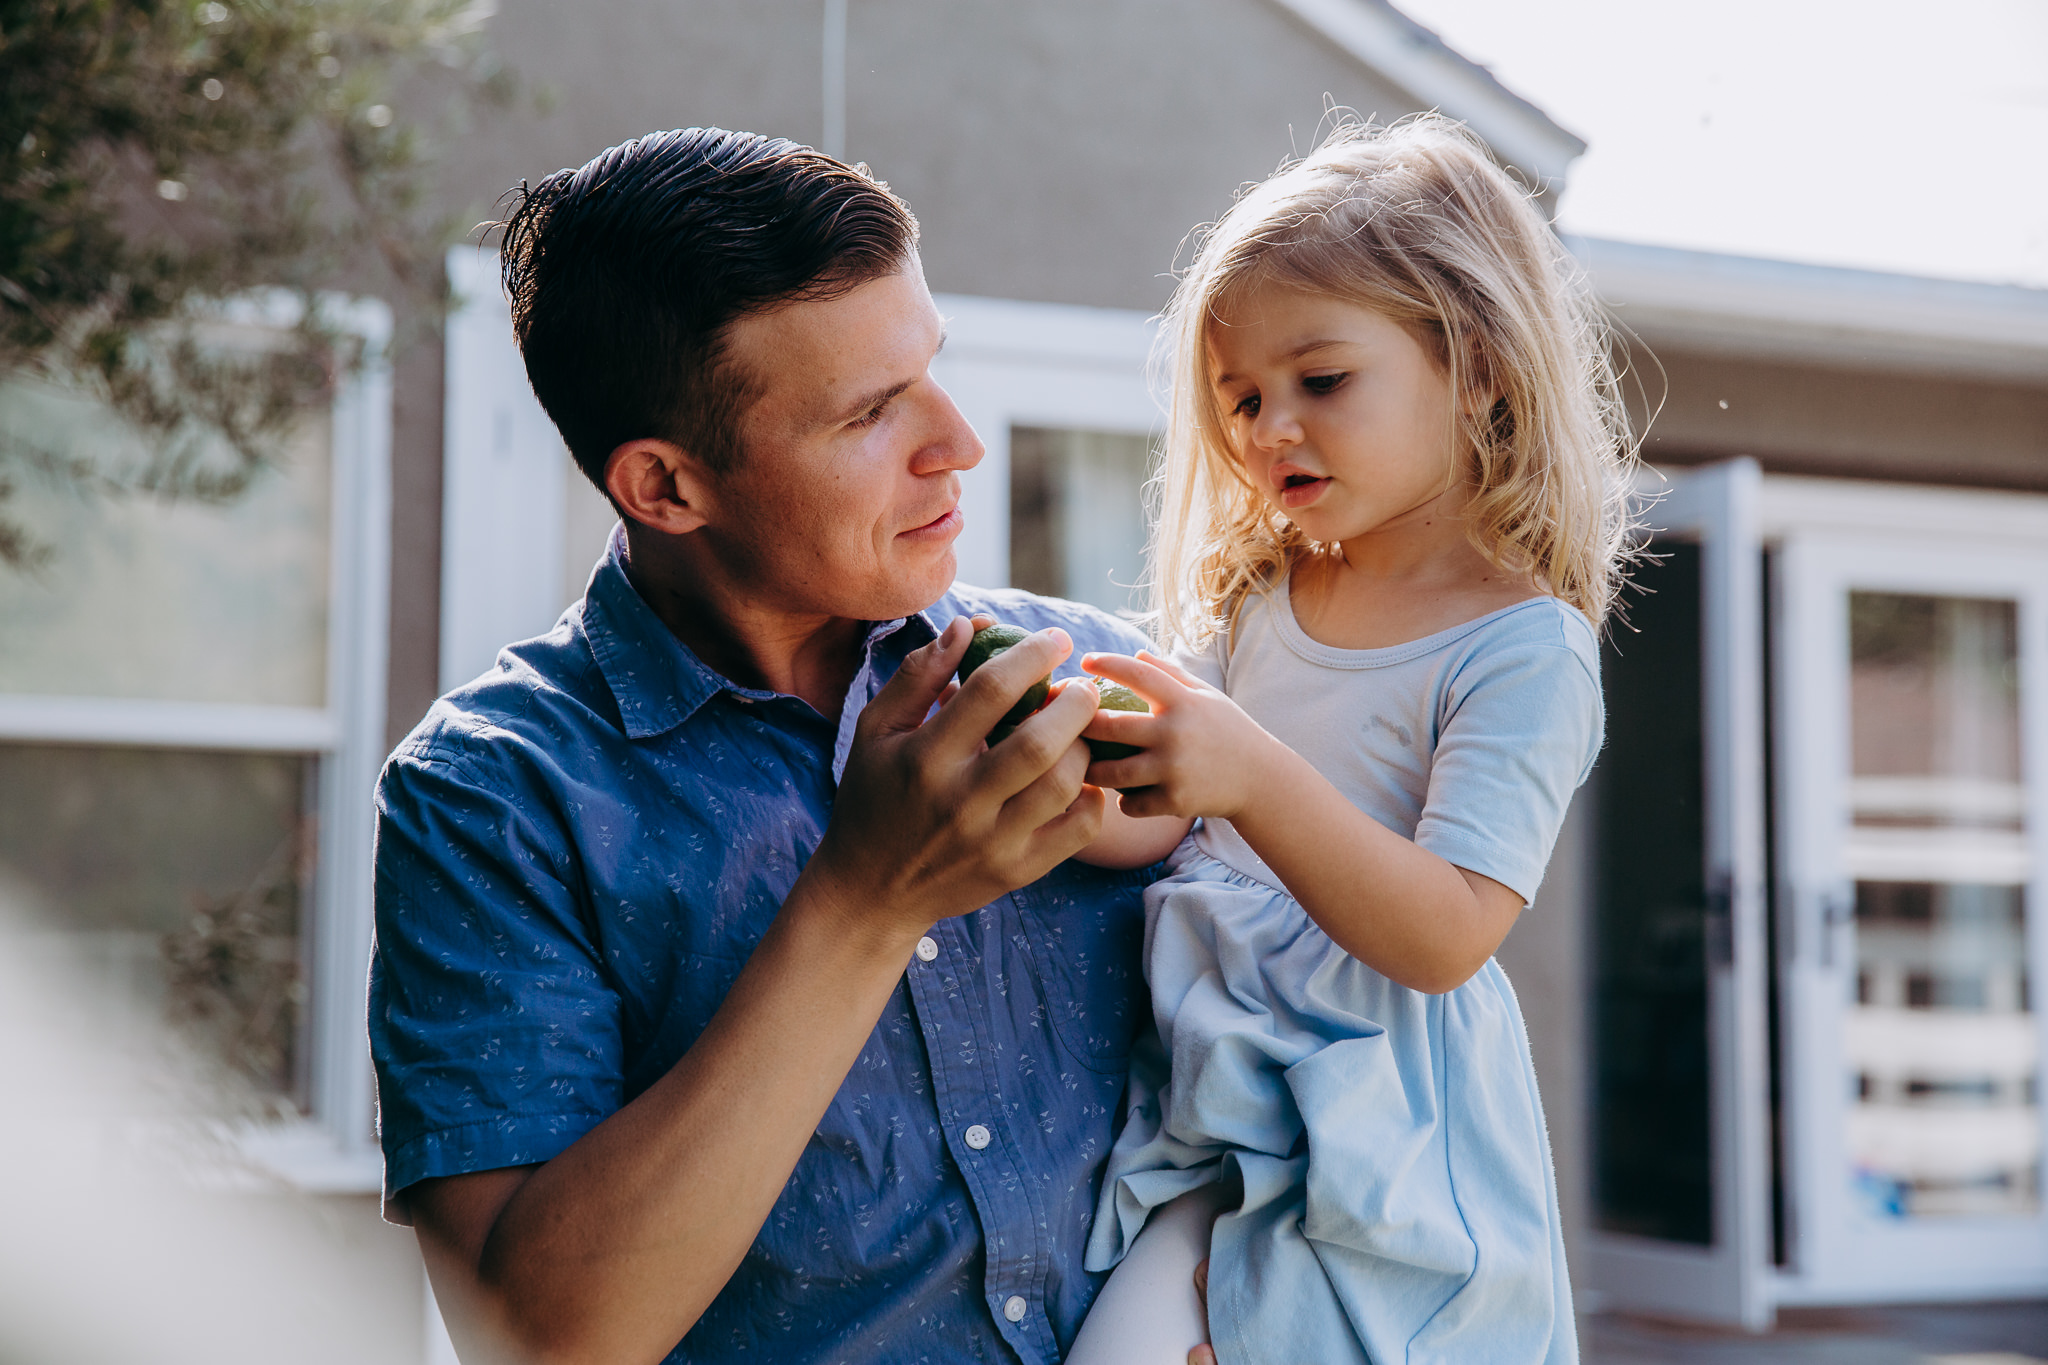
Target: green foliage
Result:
[[159, 158]]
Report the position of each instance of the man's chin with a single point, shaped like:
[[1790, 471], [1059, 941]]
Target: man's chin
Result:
[[915, 586]]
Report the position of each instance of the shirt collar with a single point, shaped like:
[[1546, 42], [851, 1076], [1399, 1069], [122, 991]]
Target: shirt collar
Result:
[[659, 682]]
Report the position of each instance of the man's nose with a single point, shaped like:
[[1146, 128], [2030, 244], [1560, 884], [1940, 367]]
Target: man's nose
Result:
[[950, 444]]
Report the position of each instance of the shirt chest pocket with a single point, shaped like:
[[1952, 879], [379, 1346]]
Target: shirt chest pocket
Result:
[[1083, 932]]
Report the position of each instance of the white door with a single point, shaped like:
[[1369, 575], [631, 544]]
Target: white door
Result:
[[1912, 675], [1681, 1161]]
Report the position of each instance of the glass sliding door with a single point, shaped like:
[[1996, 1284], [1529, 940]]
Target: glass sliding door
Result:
[[1911, 705], [1940, 1041], [1680, 1160]]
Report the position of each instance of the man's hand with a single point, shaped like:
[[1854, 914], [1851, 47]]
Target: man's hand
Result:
[[930, 821]]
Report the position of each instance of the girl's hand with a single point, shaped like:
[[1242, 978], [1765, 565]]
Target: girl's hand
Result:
[[1202, 755]]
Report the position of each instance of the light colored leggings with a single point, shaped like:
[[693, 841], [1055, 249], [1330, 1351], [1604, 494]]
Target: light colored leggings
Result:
[[1149, 1313]]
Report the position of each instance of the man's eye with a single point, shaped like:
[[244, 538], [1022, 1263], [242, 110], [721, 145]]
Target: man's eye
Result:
[[871, 416], [1324, 383]]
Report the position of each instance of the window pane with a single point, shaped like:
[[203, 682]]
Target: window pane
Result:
[[173, 601], [177, 882], [1077, 514], [1653, 1155], [1940, 1042]]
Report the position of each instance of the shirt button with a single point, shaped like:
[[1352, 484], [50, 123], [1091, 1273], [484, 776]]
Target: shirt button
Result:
[[977, 1138], [1014, 1308], [927, 949]]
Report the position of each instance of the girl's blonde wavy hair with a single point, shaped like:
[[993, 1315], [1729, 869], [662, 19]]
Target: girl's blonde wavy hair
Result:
[[1415, 222]]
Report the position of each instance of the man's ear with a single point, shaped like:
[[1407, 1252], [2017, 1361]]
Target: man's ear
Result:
[[660, 485]]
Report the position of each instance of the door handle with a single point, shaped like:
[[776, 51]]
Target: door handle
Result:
[[1720, 923]]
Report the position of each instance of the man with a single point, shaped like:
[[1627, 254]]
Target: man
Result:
[[722, 997]]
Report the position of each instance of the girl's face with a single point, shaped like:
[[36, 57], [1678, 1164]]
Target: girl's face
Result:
[[1339, 415]]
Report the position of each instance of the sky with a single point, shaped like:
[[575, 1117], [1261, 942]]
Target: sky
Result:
[[1901, 137]]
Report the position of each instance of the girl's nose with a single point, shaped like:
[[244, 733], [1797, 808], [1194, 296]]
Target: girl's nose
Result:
[[1275, 427]]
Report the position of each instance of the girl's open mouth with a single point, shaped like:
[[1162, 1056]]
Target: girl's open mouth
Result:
[[1297, 490]]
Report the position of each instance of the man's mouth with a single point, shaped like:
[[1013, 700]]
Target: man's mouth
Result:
[[944, 526]]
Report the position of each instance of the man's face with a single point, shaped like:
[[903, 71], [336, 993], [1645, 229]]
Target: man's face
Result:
[[846, 500]]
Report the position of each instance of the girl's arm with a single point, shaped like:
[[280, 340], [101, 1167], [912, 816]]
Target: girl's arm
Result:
[[1400, 909]]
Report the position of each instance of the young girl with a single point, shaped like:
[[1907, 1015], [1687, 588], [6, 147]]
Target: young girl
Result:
[[1393, 520]]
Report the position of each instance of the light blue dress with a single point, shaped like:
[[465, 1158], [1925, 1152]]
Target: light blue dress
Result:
[[1398, 1202]]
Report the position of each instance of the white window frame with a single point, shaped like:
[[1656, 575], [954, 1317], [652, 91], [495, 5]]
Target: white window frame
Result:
[[334, 1149], [1010, 363], [505, 479]]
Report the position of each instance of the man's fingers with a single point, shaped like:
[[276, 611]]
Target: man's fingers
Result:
[[1067, 833], [998, 684], [1040, 742], [1048, 795], [1143, 676], [906, 699]]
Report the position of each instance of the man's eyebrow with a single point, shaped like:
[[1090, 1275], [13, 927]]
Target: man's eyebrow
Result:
[[868, 402], [873, 399]]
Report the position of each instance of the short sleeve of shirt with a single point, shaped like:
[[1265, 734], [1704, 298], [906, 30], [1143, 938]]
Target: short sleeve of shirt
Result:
[[1523, 723], [1206, 663], [497, 1039]]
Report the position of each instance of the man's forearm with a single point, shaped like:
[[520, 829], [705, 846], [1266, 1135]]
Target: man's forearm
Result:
[[611, 1251]]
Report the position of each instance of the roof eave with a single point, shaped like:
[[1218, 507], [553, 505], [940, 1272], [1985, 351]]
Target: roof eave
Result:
[[1414, 58], [1769, 309]]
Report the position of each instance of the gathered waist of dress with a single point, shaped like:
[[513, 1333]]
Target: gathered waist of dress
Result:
[[1219, 840]]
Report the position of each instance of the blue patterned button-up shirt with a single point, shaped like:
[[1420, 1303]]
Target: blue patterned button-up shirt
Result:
[[575, 855]]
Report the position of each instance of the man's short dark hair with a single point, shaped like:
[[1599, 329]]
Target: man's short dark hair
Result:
[[624, 276]]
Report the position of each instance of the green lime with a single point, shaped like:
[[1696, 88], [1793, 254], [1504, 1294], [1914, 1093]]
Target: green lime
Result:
[[1116, 697], [986, 644]]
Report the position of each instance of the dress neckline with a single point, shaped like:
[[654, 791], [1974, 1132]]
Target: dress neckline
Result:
[[1281, 603]]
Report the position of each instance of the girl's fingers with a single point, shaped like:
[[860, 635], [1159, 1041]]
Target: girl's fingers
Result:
[[1123, 727], [1147, 679], [1124, 773], [1175, 670], [1142, 803]]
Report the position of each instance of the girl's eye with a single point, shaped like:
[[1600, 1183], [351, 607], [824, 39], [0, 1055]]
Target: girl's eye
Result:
[[1248, 406], [1324, 383]]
